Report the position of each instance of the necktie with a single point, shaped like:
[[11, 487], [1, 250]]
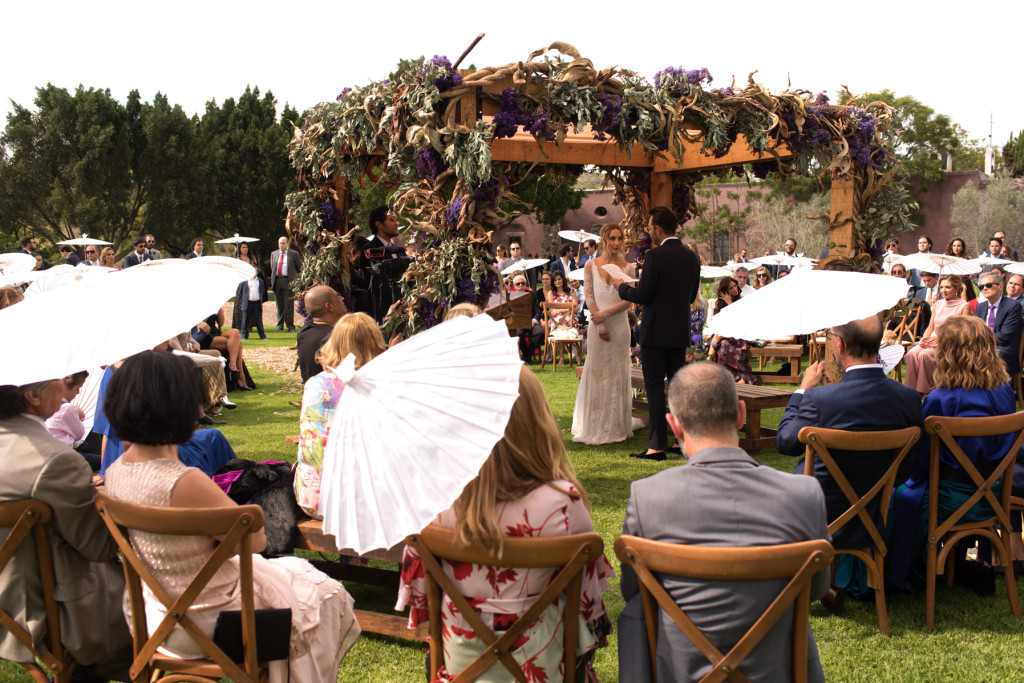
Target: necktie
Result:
[[280, 265], [991, 317]]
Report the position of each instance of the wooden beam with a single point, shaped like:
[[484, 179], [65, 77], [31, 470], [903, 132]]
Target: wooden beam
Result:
[[661, 189], [842, 217]]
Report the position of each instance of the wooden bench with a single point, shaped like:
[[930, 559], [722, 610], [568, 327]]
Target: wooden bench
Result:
[[311, 537], [753, 437], [792, 352]]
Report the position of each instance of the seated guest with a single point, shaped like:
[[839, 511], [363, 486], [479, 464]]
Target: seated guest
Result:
[[355, 333], [698, 318], [526, 488], [215, 388], [107, 258], [726, 351], [90, 583], [465, 309], [530, 339], [921, 358], [742, 277], [195, 249], [565, 263], [209, 334], [326, 307], [66, 424], [970, 381], [151, 473], [10, 296], [70, 257], [207, 450], [929, 288], [1004, 317], [863, 400], [138, 256], [708, 502], [1015, 288], [762, 277], [250, 296]]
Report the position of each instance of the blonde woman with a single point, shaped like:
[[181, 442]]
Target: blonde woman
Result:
[[921, 358], [970, 380], [107, 258], [527, 487], [762, 277], [604, 402], [355, 333]]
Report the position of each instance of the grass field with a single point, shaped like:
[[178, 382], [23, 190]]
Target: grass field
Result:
[[975, 638]]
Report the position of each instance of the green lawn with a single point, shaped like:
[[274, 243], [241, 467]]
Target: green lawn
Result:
[[975, 638]]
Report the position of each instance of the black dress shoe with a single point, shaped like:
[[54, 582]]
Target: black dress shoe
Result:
[[644, 455], [207, 420], [833, 600], [675, 450]]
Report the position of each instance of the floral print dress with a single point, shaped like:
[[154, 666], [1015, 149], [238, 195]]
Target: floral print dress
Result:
[[500, 595], [319, 399]]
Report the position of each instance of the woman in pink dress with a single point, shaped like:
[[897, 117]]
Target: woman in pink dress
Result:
[[526, 488], [921, 358]]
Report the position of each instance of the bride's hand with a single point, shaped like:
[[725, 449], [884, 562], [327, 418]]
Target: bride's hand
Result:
[[602, 332], [597, 317]]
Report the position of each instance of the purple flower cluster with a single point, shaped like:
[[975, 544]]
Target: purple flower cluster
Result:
[[727, 91], [677, 80], [427, 312], [486, 192], [330, 217], [453, 212], [465, 290], [814, 134], [863, 151], [448, 79], [429, 163], [762, 168], [639, 181], [611, 117], [682, 195], [341, 96], [640, 250], [511, 115]]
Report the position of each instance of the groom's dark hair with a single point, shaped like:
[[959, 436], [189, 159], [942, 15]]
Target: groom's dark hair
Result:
[[665, 218]]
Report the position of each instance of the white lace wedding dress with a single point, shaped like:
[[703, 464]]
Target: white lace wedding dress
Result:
[[604, 402]]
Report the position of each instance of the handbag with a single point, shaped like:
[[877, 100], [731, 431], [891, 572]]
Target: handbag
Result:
[[273, 634]]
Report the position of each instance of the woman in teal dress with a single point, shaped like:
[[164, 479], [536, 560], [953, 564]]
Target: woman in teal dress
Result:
[[355, 333], [970, 381]]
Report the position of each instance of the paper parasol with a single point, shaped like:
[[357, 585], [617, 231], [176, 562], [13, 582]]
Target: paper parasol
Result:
[[61, 275], [940, 264], [713, 272], [15, 263], [990, 261], [235, 239], [1015, 267], [783, 260], [57, 339], [806, 301], [238, 266], [525, 264], [890, 356], [83, 241], [413, 427], [579, 274], [578, 235]]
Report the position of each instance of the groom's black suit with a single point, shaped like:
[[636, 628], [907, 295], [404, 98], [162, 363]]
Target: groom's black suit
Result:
[[668, 285]]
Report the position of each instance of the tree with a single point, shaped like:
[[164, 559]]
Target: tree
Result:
[[979, 213], [1013, 153], [926, 134], [771, 222]]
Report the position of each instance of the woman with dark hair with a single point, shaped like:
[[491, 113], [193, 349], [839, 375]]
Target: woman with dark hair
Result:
[[970, 381], [921, 358], [153, 401], [249, 297], [527, 487], [725, 350], [209, 334], [561, 293], [957, 247]]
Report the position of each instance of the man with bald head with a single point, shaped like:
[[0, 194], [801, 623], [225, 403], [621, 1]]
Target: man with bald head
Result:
[[863, 400], [326, 307]]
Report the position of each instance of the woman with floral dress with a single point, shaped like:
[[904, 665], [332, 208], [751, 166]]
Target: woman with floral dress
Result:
[[728, 351], [526, 488], [355, 333]]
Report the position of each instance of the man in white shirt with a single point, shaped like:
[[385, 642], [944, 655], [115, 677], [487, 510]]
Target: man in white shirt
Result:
[[924, 246], [92, 255], [929, 289], [285, 265], [742, 277]]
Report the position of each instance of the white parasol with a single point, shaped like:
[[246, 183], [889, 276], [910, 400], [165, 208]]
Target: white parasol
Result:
[[781, 259], [733, 266], [62, 274], [890, 356], [713, 272], [1015, 267], [16, 263], [578, 235], [990, 261], [525, 264], [940, 264], [413, 427], [243, 269], [235, 239], [807, 301], [578, 274], [50, 336], [87, 397], [83, 241]]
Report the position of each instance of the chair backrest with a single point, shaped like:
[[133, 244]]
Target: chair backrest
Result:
[[797, 561], [234, 527], [568, 554], [549, 307], [819, 440], [25, 517], [944, 431], [908, 332]]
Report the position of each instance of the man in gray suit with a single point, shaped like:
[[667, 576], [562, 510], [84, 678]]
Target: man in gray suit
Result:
[[285, 265], [90, 583], [722, 497]]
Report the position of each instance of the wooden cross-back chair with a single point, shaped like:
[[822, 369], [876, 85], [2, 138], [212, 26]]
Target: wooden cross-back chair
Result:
[[899, 441], [568, 554], [908, 333], [554, 345], [944, 431], [25, 518], [1015, 378], [798, 562], [234, 526]]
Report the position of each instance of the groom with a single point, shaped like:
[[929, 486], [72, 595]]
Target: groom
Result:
[[668, 285]]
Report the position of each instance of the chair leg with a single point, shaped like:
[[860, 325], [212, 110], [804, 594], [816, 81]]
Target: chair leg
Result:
[[1011, 581], [883, 614], [929, 594]]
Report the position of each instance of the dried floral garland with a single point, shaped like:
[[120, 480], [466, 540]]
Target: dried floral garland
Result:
[[403, 132]]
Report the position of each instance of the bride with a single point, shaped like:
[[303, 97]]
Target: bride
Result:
[[603, 412]]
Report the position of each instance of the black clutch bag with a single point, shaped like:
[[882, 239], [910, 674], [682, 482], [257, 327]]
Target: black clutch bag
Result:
[[273, 634]]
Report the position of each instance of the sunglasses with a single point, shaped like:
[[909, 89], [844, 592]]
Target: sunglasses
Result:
[[762, 275], [986, 285]]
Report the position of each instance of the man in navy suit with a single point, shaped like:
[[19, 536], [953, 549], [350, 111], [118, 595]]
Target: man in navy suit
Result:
[[1004, 317], [668, 285], [863, 400], [565, 262]]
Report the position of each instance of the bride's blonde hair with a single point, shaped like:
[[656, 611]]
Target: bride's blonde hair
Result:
[[606, 231], [531, 453]]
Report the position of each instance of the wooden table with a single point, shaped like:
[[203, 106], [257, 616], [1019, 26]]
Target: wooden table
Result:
[[792, 352], [753, 437], [311, 537]]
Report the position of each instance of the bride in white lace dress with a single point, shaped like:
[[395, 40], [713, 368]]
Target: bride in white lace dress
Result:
[[603, 412]]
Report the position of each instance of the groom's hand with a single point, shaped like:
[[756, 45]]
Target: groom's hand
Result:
[[617, 281]]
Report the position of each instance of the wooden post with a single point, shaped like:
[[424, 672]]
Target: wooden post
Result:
[[842, 216], [661, 189]]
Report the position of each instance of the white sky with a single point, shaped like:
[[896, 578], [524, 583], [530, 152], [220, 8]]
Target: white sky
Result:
[[958, 58]]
